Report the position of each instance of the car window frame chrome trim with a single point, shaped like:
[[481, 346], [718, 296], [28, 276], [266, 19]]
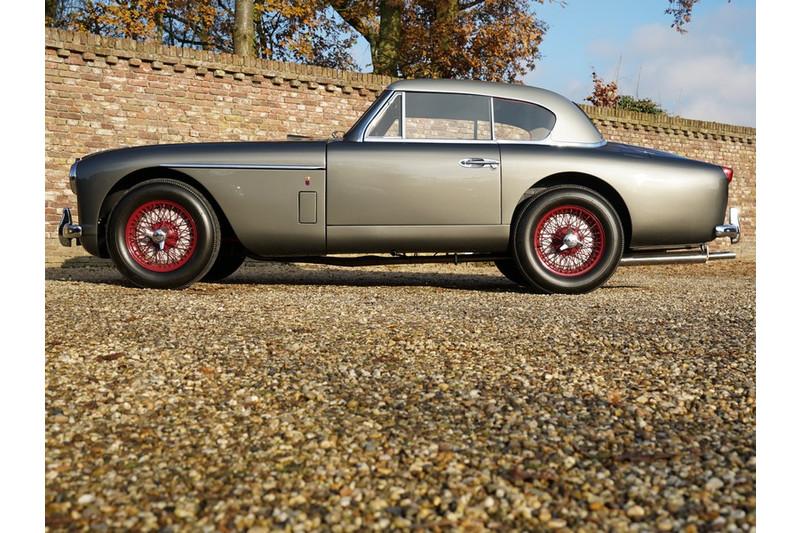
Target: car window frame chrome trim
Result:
[[379, 115], [547, 141], [403, 115], [359, 130], [477, 141], [491, 115]]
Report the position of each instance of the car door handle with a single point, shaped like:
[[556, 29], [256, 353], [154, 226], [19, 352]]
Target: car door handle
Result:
[[479, 162]]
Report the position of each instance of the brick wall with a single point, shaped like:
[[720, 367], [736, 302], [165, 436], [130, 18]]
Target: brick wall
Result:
[[105, 93]]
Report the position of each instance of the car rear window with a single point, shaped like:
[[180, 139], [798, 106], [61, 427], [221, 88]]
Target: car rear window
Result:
[[521, 121]]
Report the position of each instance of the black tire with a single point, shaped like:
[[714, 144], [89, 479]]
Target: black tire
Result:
[[555, 261], [230, 258], [510, 269], [166, 202]]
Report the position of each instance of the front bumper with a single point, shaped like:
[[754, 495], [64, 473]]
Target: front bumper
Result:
[[731, 229], [67, 231]]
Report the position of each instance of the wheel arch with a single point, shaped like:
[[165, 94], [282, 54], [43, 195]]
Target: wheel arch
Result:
[[589, 181], [136, 177]]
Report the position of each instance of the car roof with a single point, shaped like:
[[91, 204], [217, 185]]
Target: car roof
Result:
[[572, 125], [486, 88]]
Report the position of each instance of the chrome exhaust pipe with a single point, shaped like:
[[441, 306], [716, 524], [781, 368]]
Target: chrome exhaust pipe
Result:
[[666, 258]]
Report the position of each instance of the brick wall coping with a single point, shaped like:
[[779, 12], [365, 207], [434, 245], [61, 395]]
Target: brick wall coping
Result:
[[91, 46], [670, 124]]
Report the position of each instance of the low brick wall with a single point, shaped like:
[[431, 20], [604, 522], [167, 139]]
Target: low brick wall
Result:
[[103, 93]]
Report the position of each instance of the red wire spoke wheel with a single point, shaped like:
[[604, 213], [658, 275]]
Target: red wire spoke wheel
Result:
[[569, 240], [161, 235]]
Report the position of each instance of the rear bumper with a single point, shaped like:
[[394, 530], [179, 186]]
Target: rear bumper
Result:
[[731, 229], [67, 231]]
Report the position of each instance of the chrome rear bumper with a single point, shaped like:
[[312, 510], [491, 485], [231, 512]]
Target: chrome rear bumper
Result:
[[67, 230], [731, 229], [700, 255]]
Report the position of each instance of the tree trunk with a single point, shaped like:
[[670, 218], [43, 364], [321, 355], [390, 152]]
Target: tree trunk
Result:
[[445, 16], [51, 12], [386, 54], [244, 29]]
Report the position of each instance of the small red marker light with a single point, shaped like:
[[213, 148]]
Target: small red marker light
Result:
[[728, 173]]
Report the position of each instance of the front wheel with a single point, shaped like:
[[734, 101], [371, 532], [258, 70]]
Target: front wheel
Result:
[[568, 240], [163, 234], [230, 258]]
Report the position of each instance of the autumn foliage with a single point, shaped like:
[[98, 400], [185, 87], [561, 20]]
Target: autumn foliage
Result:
[[607, 95], [482, 39], [479, 39], [603, 94], [284, 30], [485, 39]]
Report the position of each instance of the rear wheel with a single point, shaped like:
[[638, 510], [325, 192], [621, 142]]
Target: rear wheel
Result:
[[510, 269], [568, 240], [163, 234]]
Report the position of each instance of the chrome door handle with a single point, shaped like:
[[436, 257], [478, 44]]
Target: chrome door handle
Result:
[[479, 162]]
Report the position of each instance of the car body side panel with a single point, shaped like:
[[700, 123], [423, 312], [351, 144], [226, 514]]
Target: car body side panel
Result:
[[263, 207], [671, 200], [378, 239], [266, 170], [411, 183]]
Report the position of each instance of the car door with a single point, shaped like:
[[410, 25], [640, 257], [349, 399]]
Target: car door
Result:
[[427, 161]]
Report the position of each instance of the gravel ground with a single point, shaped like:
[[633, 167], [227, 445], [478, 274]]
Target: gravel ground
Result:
[[430, 397]]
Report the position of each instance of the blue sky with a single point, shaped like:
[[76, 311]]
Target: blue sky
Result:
[[706, 74]]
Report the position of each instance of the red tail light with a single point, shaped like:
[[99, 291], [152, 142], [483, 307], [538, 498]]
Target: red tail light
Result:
[[728, 173]]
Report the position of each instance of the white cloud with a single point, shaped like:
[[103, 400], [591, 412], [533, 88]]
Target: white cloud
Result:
[[701, 74]]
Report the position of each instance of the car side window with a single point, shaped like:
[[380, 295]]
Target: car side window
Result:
[[389, 124], [521, 121], [448, 116]]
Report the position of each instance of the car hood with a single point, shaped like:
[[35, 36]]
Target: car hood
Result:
[[295, 153]]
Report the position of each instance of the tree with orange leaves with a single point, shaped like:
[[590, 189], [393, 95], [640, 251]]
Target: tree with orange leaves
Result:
[[482, 39], [281, 30], [485, 39]]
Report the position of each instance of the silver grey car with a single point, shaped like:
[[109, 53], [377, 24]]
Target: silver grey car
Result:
[[434, 171]]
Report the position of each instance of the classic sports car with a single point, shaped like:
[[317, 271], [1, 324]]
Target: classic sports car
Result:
[[434, 171]]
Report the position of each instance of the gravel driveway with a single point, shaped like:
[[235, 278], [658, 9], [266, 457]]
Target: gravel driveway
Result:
[[427, 397]]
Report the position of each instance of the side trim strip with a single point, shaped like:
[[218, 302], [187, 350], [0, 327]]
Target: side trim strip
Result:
[[245, 166]]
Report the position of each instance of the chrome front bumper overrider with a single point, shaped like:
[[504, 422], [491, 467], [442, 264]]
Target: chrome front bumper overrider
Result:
[[67, 230], [731, 229]]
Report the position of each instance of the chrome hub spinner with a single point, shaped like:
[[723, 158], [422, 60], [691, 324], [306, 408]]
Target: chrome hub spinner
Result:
[[159, 237], [570, 240]]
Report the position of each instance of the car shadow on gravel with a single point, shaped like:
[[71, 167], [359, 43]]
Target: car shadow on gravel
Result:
[[275, 273], [363, 278]]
